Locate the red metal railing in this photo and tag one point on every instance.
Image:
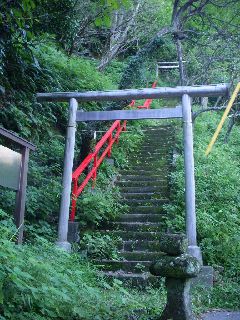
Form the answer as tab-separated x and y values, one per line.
148	102
109	138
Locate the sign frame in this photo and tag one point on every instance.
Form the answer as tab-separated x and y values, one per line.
25	147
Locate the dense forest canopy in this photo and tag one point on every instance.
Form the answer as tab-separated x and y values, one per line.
205	34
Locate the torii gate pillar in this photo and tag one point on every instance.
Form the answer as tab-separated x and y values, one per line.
191	227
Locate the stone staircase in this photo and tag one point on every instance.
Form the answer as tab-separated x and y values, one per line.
145	189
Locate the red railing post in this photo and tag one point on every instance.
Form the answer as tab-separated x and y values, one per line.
109	142
74	200
125	125
118	132
95	170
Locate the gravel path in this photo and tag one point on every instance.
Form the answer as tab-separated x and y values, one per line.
221	315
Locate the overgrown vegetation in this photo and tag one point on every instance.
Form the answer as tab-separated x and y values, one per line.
42	282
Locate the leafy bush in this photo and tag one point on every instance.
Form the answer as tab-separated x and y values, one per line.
100	246
98	206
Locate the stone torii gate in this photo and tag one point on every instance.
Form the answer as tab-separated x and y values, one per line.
184	112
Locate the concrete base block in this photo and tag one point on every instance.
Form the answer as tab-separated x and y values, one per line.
205	278
64	245
73	231
195	251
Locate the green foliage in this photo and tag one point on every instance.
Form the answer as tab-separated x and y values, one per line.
8	229
141	68
104	20
73	73
129	143
100	246
41	229
115	70
45	123
224	295
98	206
43	282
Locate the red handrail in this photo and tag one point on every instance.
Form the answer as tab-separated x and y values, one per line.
148	102
110	137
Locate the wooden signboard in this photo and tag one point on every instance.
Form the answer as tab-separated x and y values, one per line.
13	174
10	166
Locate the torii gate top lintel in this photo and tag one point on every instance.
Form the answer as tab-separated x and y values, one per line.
148	93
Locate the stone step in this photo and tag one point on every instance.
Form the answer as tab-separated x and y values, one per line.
167	131
143	195
142	184
134	280
163	135
143	189
151	202
141	178
159	149
159	152
144	217
152	154
158	138
141	255
153	167
134	235
133	245
136	226
157	141
149	158
145	172
141	209
152	129
128	266
146	163
164	165
164	132
157	144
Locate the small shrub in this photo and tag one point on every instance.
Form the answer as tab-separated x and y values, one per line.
100	246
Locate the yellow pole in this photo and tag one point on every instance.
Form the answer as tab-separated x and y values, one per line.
225	114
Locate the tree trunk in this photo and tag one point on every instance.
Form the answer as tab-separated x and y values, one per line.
119	36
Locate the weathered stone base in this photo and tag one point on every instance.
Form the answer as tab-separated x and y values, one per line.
204	278
178	300
73	230
64	245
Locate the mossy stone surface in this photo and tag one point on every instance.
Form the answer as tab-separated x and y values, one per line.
173	244
178	305
181	267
